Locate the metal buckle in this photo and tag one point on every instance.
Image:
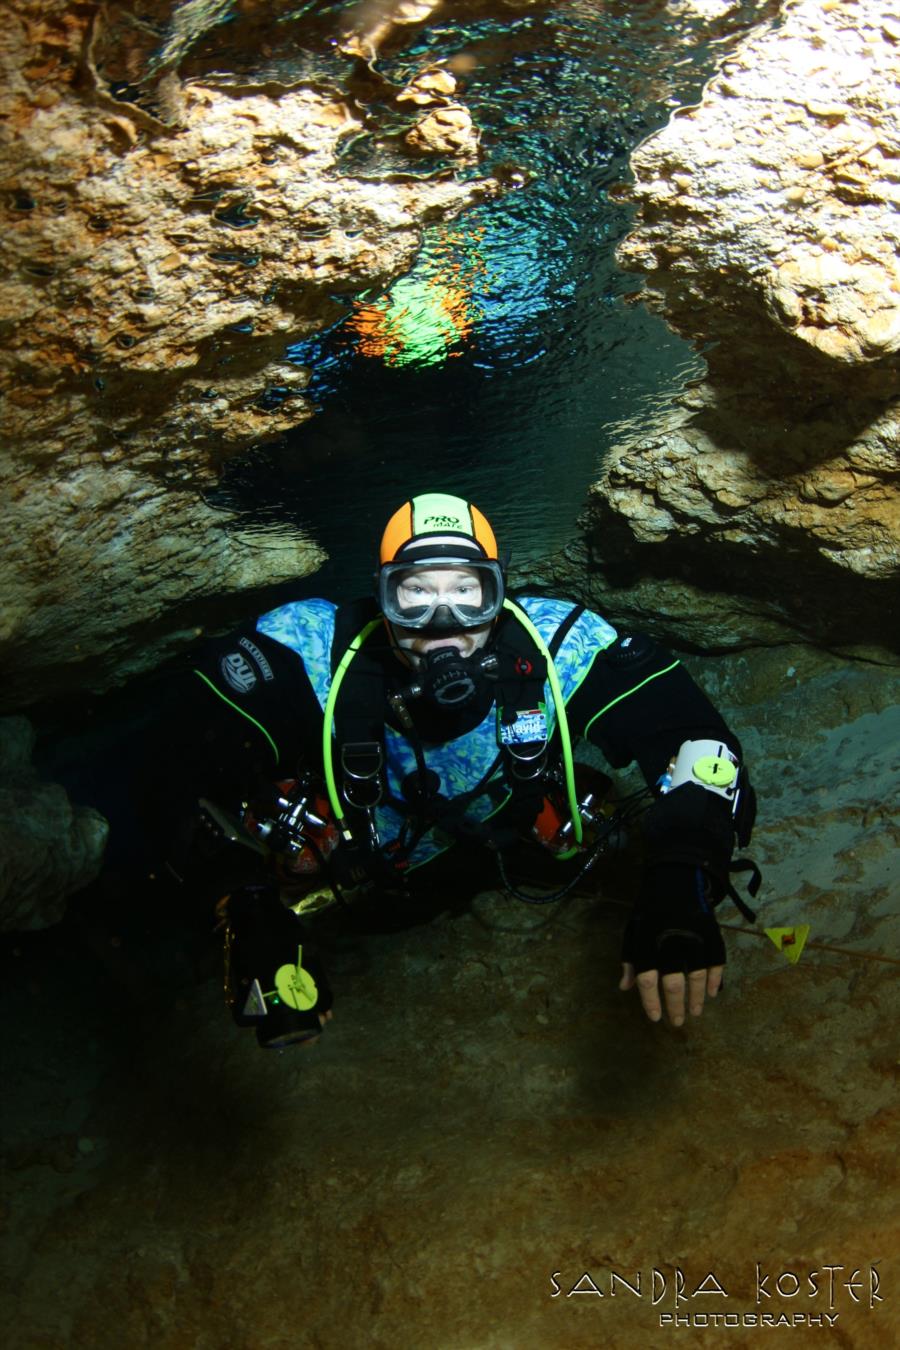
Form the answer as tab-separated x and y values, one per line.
362	762
527	762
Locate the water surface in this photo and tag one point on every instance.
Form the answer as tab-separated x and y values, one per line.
508	361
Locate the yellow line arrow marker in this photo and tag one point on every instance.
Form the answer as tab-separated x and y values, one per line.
790	941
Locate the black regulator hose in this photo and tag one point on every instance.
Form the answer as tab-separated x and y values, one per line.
628	809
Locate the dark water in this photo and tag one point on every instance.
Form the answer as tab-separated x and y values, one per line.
508	361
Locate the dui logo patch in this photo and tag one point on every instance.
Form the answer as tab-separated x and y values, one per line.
238	672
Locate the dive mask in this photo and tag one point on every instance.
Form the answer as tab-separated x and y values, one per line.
441	597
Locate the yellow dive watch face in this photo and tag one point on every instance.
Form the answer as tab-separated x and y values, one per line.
714	771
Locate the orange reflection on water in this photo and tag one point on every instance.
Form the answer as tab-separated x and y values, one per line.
427	314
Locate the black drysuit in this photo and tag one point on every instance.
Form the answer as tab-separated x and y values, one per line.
637	702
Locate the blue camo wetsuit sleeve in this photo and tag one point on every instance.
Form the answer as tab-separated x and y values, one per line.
307	628
589	635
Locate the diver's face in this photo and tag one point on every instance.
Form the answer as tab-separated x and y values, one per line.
437	586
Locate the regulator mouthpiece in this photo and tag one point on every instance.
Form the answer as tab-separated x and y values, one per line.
450	678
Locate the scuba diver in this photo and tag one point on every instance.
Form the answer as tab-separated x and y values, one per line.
441	713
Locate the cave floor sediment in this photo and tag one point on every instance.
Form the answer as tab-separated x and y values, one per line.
488	1122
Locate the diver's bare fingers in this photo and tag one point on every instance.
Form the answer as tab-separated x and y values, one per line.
673	991
648	988
627	980
714	980
696	991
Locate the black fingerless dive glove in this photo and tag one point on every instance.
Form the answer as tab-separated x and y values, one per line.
673	927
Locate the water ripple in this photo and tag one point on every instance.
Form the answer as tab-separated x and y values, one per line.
505	363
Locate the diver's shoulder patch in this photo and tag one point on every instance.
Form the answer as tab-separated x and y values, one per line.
237	672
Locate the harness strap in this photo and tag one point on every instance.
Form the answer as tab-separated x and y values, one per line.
562	722
523	727
565	628
362	748
753	885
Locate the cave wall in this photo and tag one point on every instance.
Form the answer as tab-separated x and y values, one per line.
48	846
167	232
763	504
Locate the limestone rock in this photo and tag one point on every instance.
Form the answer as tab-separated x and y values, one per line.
768	232
446	130
158	264
374	23
48	847
432	85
